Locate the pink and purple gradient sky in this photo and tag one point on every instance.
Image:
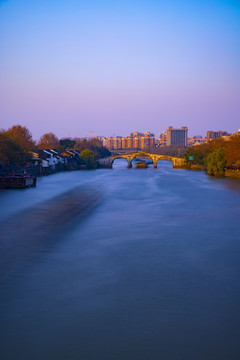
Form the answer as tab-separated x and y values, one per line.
111	67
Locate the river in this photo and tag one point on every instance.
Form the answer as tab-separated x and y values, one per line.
152	272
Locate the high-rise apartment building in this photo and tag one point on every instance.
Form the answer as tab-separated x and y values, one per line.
117	142
110	142
177	136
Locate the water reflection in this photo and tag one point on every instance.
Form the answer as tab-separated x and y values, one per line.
43	224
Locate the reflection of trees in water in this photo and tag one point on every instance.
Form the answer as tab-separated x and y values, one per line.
232	184
43	224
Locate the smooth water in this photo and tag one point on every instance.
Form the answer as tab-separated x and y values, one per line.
153	272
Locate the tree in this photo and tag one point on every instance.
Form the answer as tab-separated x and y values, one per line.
215	162
21	136
89	158
197	156
95	145
48	141
67	143
232	152
81	144
10	151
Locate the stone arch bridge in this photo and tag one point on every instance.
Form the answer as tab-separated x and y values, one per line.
107	162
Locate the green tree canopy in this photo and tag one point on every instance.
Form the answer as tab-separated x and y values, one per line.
215	162
89	158
196	154
67	144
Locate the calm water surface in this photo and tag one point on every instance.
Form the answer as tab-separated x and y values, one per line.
153	272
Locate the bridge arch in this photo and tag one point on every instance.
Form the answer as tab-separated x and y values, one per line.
141	155
129	163
165	159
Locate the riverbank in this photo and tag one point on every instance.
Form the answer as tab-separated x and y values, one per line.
231	174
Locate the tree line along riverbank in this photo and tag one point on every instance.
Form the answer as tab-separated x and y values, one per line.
18	152
219	157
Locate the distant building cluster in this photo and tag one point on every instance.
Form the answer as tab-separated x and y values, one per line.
135	140
216	134
138	140
196	140
171	137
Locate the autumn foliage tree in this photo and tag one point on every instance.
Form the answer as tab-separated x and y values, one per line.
48	141
217	154
10	151
22	137
232	152
16	145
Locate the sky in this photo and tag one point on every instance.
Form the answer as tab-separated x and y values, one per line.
85	67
